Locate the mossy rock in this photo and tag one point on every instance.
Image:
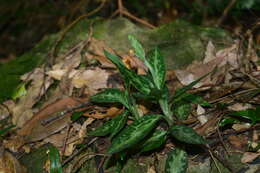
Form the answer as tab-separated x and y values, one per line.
179	41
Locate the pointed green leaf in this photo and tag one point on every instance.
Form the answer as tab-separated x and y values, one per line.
157	68
138	48
113	126
177	161
76	115
251	114
196	100
134	133
141	83
157	139
114	59
19	91
186	134
5	130
228	120
119	123
111	95
54	156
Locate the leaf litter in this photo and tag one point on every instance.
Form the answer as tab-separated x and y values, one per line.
76	75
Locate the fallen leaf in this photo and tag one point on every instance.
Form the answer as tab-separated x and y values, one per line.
23	111
239	127
14	143
201	115
240	106
95	51
249	157
91	79
100	114
34	130
228	56
134	63
238	142
9	164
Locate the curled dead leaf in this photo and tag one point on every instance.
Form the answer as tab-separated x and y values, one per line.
9	164
100	114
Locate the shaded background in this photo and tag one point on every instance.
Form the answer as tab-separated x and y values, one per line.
24	22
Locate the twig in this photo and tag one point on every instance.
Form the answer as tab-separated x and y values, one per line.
122	11
214	160
79	151
66	139
225	12
223	162
61	114
54	49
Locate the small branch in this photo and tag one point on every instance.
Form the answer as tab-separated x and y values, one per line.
79	151
225	12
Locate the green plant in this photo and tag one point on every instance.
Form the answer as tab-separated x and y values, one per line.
145	133
234	117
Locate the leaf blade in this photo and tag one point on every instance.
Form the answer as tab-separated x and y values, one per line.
112	126
135	132
156	65
186	134
157	139
138	48
54	156
141	83
111	95
177	161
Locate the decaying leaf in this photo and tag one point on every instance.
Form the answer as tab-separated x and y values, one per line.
96	48
238	142
34	130
91	79
9	164
100	114
227	56
23	111
249	157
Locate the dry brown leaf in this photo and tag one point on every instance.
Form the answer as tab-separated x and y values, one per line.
22	111
238	142
14	143
33	130
227	56
249	157
95	51
9	164
132	62
239	127
100	114
91	79
151	169
208	127
201	115
240	106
